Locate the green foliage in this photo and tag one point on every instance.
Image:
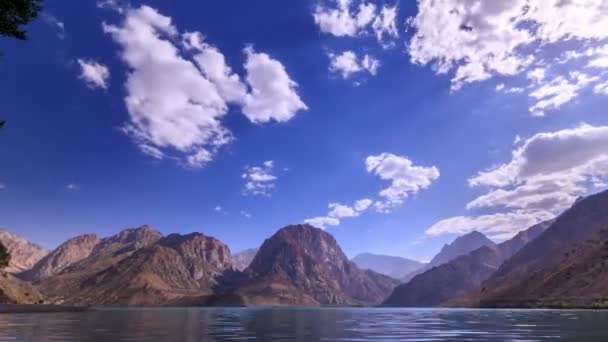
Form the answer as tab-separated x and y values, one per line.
5	256
16	13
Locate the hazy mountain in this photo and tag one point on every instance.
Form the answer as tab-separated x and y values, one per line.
460	275
303	265
392	266
462	245
241	260
564	267
24	254
67	254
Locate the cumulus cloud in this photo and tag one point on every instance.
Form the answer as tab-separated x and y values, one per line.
94	74
339	211
259	179
481	39
385	26
348	63
535	184
273	95
559	91
179	88
405	178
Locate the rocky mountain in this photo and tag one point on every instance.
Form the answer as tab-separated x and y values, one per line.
108	252
24	254
67	254
462	245
392	266
241	260
303	265
564	267
459	276
175	269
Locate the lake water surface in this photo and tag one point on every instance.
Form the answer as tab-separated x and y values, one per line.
306	324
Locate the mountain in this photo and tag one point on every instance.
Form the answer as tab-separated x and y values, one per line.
67	254
175	269
108	252
461	275
392	266
16	291
564	267
462	245
241	260
303	265
24	254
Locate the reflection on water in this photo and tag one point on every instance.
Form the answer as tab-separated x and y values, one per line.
306	324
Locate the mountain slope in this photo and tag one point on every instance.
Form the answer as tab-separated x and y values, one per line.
242	259
15	291
67	254
565	267
392	266
24	254
303	265
461	275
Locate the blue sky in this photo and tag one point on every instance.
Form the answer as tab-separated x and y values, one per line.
493	120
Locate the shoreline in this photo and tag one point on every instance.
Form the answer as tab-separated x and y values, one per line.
40	308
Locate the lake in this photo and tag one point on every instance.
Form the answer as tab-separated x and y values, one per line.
306	324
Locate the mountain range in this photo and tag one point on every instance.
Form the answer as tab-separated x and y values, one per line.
557	263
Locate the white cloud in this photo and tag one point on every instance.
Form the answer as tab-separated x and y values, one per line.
2	186
405	178
218	209
348	63
535	185
259	179
245	214
94	74
500	226
55	24
341	20
480	39
385	25
338	210
180	116
601	88
363	204
273	94
559	91
323	222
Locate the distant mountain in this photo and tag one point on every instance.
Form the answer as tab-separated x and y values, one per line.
107	253
462	245
303	265
67	254
24	254
241	260
564	267
392	266
457	277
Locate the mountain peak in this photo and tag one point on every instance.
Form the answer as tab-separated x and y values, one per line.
462	245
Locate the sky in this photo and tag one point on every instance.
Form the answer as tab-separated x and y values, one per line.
394	125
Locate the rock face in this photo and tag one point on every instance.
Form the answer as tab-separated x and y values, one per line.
241	260
67	254
392	266
24	254
463	245
456	278
176	269
564	267
303	265
108	252
15	291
